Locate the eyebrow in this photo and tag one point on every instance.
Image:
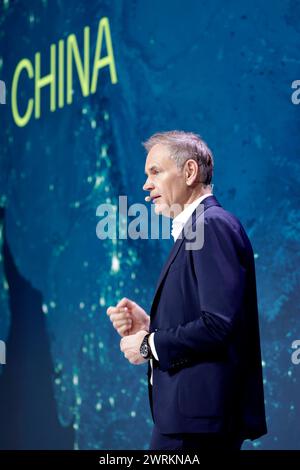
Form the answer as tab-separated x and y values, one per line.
153	167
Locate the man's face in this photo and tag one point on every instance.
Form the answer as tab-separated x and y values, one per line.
165	180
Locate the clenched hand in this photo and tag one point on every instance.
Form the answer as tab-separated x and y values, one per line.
128	318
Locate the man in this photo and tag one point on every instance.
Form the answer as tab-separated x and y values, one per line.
202	336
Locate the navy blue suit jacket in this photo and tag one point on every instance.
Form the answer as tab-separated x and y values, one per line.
204	314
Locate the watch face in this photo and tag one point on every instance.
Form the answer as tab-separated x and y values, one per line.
144	349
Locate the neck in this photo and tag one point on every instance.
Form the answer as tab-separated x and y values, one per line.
198	193
195	194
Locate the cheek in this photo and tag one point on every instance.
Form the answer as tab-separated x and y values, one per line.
168	187
174	187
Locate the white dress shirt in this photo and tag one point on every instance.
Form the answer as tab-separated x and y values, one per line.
177	225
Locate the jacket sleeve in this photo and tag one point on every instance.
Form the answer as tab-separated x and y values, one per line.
220	283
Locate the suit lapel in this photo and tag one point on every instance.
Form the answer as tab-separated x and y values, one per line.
206	203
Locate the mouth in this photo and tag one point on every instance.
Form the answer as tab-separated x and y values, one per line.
154	198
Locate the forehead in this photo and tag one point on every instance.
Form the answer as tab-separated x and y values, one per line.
159	156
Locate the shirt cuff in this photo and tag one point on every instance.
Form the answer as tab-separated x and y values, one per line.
152	346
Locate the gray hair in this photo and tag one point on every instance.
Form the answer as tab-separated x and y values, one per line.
184	146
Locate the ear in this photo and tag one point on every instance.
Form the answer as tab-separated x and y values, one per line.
191	171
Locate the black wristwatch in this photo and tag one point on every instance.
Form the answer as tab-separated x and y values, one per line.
145	349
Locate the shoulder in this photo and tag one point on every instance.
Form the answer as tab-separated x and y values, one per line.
218	216
222	223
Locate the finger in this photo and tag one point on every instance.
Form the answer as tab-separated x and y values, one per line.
112	310
108	310
122	344
125	302
123	329
117	317
122	302
118	323
134	360
117	311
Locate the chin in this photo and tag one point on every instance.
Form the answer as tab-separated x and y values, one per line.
157	209
162	209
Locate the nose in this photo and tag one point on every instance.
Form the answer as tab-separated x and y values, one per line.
148	186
